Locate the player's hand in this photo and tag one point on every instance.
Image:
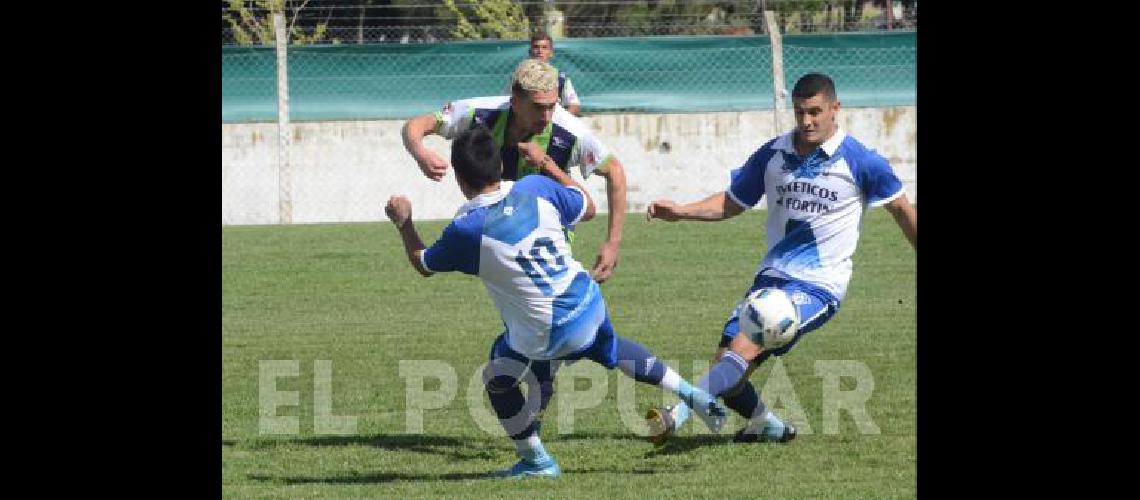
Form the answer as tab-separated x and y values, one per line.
533	153
431	164
399	209
664	210
606	263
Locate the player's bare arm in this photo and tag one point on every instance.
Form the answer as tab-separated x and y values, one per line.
716	207
575	109
399	210
431	164
537	157
614	173
906	217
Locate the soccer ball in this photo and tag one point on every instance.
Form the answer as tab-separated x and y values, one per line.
769	317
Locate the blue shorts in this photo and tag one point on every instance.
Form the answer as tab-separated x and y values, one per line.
602	351
815	306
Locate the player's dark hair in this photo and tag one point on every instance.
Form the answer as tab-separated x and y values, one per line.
813	84
475	158
541	35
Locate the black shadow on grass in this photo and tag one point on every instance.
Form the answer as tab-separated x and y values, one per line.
681	444
382	477
676	444
639	470
580	436
461	449
386	477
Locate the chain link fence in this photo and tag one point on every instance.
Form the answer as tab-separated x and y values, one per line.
341	155
865	77
645	75
426	21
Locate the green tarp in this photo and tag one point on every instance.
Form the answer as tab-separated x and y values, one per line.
653	74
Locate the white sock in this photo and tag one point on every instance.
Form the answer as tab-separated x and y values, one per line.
672	381
530	448
759	420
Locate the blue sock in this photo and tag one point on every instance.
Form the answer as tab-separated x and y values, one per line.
544	373
744	400
685	391
508	404
724	375
545	392
637	362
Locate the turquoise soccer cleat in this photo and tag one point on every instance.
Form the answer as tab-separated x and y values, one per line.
547	467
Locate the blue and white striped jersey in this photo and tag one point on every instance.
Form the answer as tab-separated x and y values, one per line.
815	204
513	240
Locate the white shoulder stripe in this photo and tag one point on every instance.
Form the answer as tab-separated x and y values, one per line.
884	201
585	203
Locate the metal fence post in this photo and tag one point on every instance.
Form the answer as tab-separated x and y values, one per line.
778	91
284	138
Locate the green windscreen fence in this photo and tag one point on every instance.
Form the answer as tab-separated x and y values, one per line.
652	75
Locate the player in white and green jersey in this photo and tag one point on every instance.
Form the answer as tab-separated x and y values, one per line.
529	114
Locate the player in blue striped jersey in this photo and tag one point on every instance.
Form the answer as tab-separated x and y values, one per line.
531	115
819	182
510	235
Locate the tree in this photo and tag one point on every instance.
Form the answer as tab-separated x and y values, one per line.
853	13
798	15
251	22
503	19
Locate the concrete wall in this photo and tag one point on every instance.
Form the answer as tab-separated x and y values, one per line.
345	171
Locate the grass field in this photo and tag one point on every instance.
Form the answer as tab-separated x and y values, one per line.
345	293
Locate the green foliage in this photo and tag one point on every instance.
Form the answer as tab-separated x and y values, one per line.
502	19
668	17
251	22
638	17
799	15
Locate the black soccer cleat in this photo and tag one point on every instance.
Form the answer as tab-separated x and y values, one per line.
743	436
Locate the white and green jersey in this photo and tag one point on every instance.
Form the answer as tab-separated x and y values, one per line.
566	93
566	138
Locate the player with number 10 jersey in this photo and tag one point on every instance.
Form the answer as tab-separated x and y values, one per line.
510	234
513	240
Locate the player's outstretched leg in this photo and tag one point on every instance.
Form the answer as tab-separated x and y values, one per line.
726	374
638	363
